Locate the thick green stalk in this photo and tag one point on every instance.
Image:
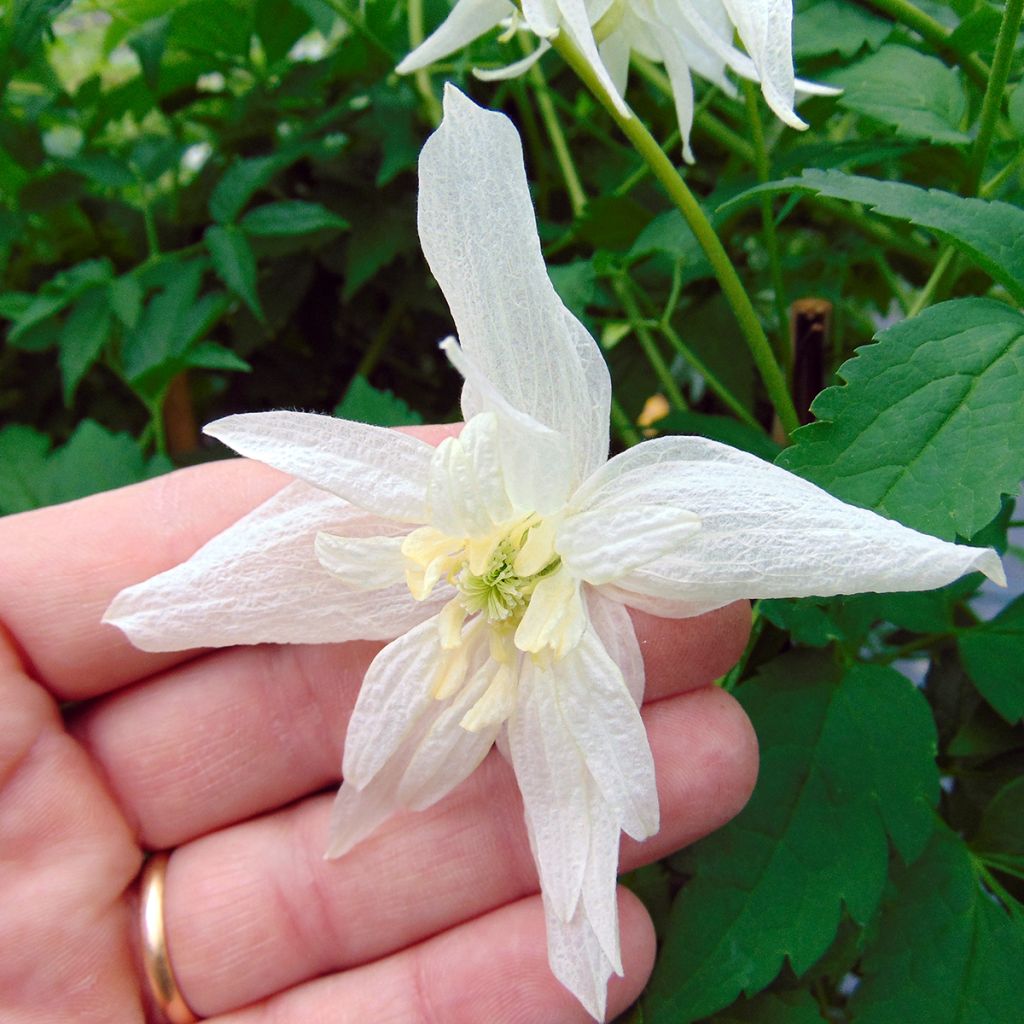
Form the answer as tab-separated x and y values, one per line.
422	76
935	33
771	239
682	197
994	91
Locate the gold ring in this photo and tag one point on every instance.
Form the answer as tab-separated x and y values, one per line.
156	960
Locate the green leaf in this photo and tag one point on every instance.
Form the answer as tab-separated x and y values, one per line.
1002	823
240	182
720	428
94	459
1016	109
364	403
836	27
993	654
987	231
291	217
796	1007
58	293
235	264
611	222
378	237
916	94
149	43
208	355
85	331
126	299
576	284
819	621
927	428
845	760
946	953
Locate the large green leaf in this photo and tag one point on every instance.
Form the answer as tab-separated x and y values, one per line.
82	338
927	428
291	217
846	760
916	94
946	953
993	654
833	26
364	403
988	231
1002	823
235	264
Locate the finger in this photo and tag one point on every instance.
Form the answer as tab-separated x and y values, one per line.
240	732
65	859
255	908
63	565
491	969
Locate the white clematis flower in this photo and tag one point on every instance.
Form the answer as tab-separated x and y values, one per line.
504	559
684	35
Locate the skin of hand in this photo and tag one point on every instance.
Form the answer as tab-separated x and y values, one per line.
231	757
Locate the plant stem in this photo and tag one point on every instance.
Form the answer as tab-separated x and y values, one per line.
771	239
422	76
926	295
577	197
732	287
624	425
994	91
623	289
935	33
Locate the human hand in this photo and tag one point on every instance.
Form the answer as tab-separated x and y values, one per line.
230	758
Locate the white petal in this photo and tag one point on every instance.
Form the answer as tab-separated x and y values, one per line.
603	543
614	628
541	16
554	618
380	470
357	813
767	533
479	235
665	607
816	89
577	959
605	722
600	900
515	69
536	461
468	20
467	493
553	781
576	21
682	91
394	695
615	55
260	582
766	29
363	563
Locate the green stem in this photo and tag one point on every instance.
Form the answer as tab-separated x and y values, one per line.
926	296
935	33
354	19
623	289
624	425
771	239
997	180
680	194
577	197
422	76
994	91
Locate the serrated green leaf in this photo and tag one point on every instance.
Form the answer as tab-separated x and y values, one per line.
927	428
988	231
819	621
993	654
796	1007
364	403
916	94
94	459
1002	823
85	331
836	27
945	953
240	182
126	299
291	217
845	760
235	264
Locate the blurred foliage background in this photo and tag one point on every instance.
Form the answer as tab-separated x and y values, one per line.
208	206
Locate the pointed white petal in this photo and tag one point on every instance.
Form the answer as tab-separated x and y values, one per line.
600	900
682	91
515	69
479	235
615	55
536	461
767	533
260	582
614	628
358	813
577	959
467	493
553	781
377	469
605	722
396	691
816	89
468	20
600	544
362	563
541	16
576	21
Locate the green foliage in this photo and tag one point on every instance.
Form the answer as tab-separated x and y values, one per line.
903	435
366	404
991	654
848	759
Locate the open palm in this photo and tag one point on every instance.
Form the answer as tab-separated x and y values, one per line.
230	758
